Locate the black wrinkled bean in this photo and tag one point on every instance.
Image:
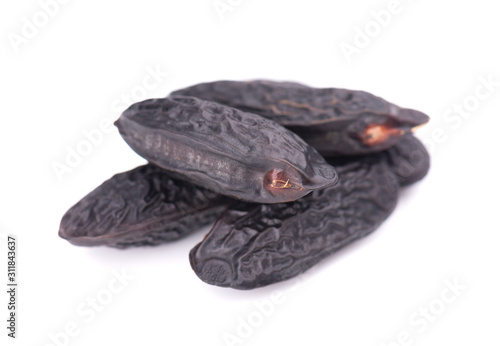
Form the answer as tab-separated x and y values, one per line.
140	207
254	245
336	122
235	153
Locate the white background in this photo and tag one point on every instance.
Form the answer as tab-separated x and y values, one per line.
76	67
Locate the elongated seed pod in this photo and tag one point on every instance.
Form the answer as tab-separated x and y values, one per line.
234	153
254	245
140	207
335	122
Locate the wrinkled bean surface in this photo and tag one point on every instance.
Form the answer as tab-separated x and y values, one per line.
235	153
335	121
254	245
144	206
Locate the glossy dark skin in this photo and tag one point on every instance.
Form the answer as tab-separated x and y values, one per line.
254	245
336	122
144	206
234	153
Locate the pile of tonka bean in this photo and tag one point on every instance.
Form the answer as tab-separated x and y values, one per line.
286	174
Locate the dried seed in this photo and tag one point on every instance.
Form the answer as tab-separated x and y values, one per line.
140	207
234	153
335	122
254	245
